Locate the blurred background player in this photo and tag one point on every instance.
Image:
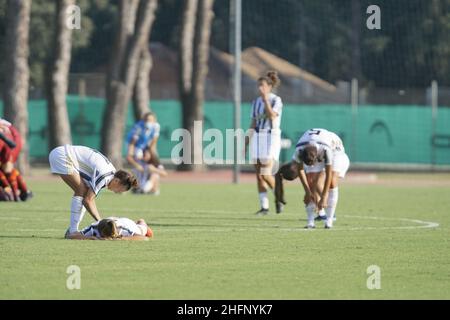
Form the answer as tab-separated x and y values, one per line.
149	179
142	154
11	180
86	171
114	228
320	150
265	136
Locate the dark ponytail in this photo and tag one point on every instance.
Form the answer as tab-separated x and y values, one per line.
126	179
271	78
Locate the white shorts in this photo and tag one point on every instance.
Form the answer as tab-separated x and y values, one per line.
340	164
265	146
61	160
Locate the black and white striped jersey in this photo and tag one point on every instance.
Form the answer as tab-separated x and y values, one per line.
259	115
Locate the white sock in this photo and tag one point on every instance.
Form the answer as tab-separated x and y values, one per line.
76	213
310	208
147	186
333	196
322	213
264	200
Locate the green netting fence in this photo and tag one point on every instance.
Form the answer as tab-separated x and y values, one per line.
375	134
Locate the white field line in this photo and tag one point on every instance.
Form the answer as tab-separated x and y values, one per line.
420	224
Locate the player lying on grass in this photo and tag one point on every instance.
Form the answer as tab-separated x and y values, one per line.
113	228
143	155
86	171
12	184
317	151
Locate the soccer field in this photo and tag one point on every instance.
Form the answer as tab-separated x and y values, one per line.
208	244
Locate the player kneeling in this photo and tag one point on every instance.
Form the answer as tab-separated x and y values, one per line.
320	150
113	228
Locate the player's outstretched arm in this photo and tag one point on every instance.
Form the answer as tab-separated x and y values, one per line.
309	196
159	170
89	204
130	156
80	236
326	187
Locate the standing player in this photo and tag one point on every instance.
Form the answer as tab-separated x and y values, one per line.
265	135
87	171
143	155
320	150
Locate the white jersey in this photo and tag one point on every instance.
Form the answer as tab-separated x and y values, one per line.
125	227
94	168
259	115
326	142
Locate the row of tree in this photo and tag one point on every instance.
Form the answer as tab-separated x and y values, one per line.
127	75
328	38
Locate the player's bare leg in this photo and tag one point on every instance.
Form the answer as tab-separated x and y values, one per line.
266	173
266	176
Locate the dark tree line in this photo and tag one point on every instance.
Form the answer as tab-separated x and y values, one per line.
127	76
411	49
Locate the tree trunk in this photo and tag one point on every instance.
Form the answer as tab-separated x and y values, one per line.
125	30
205	16
141	94
186	50
193	58
57	79
122	77
16	67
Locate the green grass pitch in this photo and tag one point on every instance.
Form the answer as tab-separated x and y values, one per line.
208	244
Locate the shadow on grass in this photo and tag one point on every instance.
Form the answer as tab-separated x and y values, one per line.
29	237
202	225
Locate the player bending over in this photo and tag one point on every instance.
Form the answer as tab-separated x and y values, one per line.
289	172
320	150
113	228
86	171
